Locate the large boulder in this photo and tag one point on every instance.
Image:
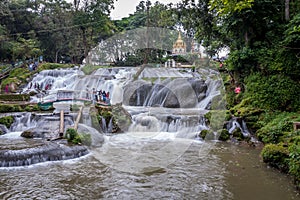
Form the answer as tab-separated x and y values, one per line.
198	85
184	92
135	93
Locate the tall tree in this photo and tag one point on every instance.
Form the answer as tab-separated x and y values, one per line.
92	19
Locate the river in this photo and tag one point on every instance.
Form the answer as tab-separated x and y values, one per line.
226	172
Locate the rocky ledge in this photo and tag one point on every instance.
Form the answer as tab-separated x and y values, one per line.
39	151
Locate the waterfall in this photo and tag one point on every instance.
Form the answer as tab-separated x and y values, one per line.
110	126
23	122
70	83
164	104
156	96
107	127
212	91
179	124
104	127
235	123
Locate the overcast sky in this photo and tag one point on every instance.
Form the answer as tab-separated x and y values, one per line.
125	7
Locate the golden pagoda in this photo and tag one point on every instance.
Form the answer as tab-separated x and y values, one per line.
179	47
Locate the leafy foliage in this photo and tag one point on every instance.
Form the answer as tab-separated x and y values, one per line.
275	130
294	161
59	30
75	138
274	92
7	121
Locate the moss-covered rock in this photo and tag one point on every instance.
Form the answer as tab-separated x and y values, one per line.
237	134
207	135
85	139
45	66
88	69
223	135
215	119
276	155
122	119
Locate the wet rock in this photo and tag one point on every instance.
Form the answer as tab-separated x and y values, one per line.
171	102
3	129
136	93
27	134
201	96
199	86
184	92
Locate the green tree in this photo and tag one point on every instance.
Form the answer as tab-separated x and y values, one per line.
93	23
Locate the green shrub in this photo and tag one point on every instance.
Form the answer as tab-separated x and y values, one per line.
7	121
276	155
5	108
32	108
75	138
275	125
20	73
71	134
15	97
294	160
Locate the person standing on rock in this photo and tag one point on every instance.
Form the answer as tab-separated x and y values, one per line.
6	88
94	95
87	94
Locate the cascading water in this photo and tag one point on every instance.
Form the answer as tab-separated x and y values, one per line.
158	157
163	103
240	124
165	107
23	121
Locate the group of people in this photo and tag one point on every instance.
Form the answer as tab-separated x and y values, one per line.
99	96
38	86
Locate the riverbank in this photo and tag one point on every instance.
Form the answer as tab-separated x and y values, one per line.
267	120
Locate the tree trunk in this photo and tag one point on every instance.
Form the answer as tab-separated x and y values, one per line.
56	56
287	10
85	44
